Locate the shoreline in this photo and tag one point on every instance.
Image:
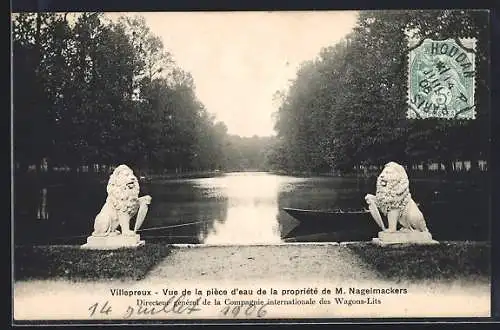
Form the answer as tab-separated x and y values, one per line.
207	245
414	176
419	175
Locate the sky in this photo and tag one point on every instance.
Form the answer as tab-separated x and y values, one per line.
239	60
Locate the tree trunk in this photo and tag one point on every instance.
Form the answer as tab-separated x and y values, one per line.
474	165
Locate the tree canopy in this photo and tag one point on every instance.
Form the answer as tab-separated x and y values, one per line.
347	107
91	91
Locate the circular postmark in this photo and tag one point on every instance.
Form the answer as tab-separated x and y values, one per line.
441	80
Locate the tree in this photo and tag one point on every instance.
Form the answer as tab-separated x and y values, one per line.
89	91
348	106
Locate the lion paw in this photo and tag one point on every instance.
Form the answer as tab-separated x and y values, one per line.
370	199
146	199
128	233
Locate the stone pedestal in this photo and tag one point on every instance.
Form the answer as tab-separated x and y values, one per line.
113	242
404	237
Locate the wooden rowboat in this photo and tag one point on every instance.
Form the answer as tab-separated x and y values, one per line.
347	222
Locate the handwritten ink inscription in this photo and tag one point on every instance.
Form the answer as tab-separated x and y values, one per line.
245	311
100	309
175	304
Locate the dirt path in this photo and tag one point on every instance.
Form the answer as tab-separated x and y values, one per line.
294	267
277	262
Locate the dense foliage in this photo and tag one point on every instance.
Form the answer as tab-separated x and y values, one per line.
347	107
93	91
247	153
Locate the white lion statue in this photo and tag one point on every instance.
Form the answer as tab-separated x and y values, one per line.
122	204
393	198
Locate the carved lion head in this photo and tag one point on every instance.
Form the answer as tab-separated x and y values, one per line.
393	187
123	190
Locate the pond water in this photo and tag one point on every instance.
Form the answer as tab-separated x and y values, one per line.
240	208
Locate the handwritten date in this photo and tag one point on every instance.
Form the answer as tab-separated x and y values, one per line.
245	311
175	304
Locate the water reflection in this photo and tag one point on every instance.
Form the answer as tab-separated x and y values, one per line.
182	211
321	193
238	208
252	210
42	213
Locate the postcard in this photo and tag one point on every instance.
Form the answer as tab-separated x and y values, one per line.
250	166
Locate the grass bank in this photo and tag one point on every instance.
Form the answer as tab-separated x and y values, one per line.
182	175
447	261
73	263
413	174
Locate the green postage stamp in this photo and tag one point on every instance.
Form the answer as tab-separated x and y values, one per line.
441	79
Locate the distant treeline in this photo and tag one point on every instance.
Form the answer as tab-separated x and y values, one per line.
346	109
247	153
91	93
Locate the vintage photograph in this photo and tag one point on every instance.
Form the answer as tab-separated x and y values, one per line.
253	166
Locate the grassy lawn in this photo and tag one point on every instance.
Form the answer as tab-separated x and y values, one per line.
446	262
73	263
